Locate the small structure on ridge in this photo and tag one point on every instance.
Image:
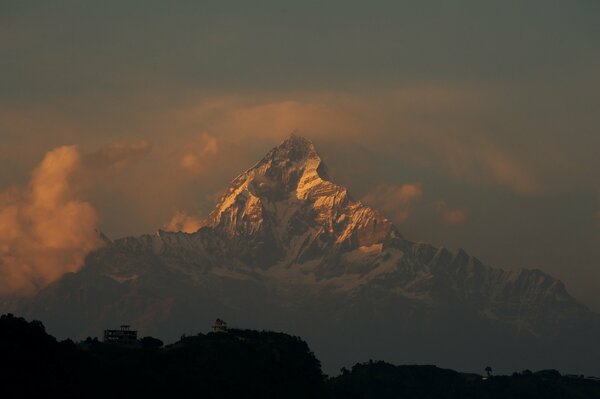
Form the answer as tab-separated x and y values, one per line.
219	326
123	336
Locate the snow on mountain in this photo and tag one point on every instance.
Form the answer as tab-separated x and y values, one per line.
286	243
284	222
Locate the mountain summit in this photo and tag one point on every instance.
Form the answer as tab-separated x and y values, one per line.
286	248
286	207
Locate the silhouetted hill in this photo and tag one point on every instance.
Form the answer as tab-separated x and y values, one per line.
34	363
236	364
382	381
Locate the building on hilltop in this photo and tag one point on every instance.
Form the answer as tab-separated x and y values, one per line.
219	326
123	336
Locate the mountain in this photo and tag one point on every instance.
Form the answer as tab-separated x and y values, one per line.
286	248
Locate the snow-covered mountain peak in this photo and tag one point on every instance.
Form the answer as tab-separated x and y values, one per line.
293	148
288	201
291	171
292	168
287	245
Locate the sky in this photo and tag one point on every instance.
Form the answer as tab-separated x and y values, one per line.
470	124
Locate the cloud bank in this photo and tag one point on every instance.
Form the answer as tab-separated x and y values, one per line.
198	155
451	217
45	230
395	201
181	221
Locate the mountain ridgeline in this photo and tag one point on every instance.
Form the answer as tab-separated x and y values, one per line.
287	249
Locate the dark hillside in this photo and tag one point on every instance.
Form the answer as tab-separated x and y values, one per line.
238	364
382	381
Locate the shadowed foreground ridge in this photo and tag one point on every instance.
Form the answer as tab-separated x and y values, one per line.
236	364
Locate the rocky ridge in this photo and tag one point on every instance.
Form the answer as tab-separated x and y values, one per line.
283	220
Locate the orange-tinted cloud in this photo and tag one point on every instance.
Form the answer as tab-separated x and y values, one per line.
451	217
239	117
45	230
285	116
116	156
472	159
198	155
503	169
181	221
395	201
425	126
204	141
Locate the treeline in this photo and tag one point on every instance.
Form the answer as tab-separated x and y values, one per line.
236	364
383	380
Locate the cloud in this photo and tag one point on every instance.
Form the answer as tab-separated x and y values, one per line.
199	155
282	117
116	156
395	201
181	221
451	217
201	141
483	162
273	118
45	230
443	127
509	172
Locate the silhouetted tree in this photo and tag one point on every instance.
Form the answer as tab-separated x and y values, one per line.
238	363
151	343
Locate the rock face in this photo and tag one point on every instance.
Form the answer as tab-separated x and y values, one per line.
286	248
285	210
